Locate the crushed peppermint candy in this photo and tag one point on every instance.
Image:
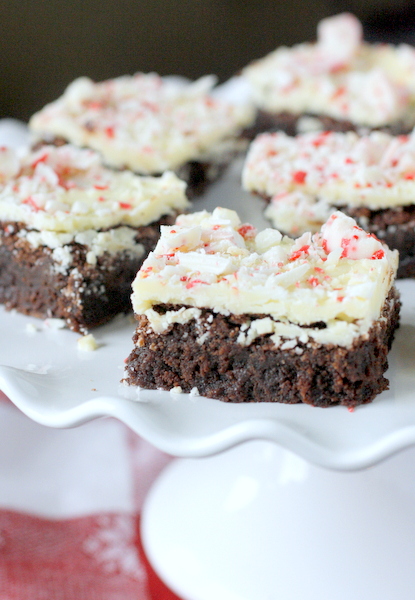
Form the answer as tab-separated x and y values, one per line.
67	189
339	233
340	76
309	176
144	122
339	276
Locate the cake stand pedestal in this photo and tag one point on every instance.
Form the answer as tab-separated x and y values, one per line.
257	522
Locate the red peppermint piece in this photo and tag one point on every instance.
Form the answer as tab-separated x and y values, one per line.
299	176
29	201
378	254
339	92
193	283
313	281
319	140
299	252
247	230
41	159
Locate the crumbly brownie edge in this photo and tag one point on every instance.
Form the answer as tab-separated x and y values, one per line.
83	295
221	368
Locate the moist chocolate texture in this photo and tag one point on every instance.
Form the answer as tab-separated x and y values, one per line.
199	175
206	355
83	295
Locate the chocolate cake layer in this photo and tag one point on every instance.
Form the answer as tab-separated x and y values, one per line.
82	294
206	355
199	175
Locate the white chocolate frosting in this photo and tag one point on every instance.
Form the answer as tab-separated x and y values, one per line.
340	276
296	213
339	76
144	122
309	175
67	190
114	241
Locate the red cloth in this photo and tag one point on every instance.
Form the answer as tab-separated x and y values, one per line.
67	555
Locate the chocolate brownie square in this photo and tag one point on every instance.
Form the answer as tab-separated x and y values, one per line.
73	233
247	316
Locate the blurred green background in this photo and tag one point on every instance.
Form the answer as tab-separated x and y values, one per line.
45	45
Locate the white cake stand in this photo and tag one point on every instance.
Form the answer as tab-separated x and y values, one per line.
259	523
272	502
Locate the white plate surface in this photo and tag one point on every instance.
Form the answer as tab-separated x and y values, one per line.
72	386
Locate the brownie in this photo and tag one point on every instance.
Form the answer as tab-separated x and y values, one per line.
316	341
340	82
149	124
73	234
370	177
83	295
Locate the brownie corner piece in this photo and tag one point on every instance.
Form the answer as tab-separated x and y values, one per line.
70	282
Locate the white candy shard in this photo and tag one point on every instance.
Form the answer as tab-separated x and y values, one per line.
87	343
339	37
